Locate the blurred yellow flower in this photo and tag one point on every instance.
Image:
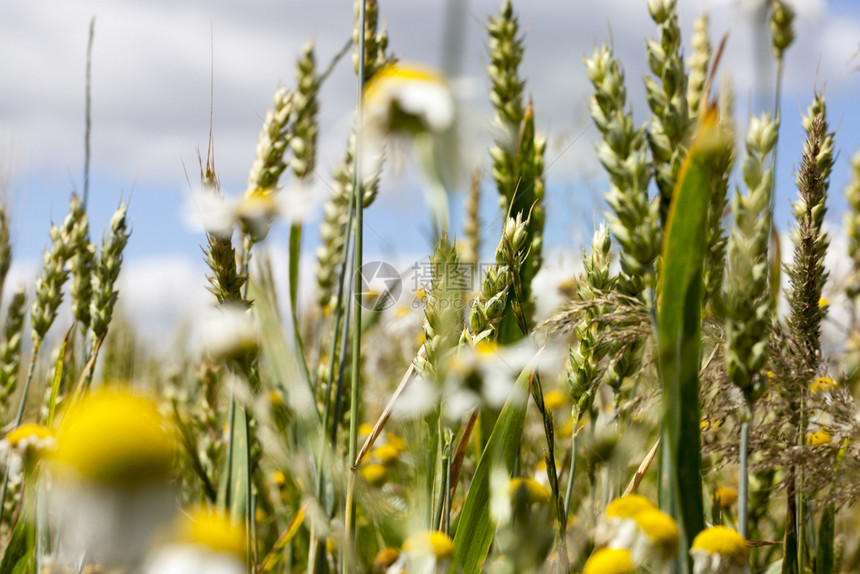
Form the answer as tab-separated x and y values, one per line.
818	438
28	431
555	400
530	490
720	550
375	474
117	438
725	496
609	561
822	384
387	453
429	543
213	530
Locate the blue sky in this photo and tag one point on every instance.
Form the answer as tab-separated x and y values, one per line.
151	77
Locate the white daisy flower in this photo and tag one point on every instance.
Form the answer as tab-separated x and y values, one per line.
214	213
411	104
23	446
720	550
206	543
112	472
633	523
228	331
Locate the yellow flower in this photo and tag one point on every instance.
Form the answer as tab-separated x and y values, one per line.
609	561
818	438
566	430
632	523
387	453
116	437
628	506
212	530
385	558
725	496
720	550
429	543
24	446
823	302
364	429
822	384
531	490
279	478
661	530
375	474
275	398
28	431
395	441
408	98
555	400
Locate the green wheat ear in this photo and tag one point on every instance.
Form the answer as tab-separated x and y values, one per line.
747	300
670	127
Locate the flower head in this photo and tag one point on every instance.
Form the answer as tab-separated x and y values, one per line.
26	444
429	543
609	561
408	99
819	438
633	523
205	542
823	384
528	490
116	437
725	496
720	550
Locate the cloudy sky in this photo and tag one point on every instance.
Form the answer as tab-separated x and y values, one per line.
153	62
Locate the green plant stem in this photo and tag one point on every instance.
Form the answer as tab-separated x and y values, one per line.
295	250
743	490
358	197
36	344
442	498
568	497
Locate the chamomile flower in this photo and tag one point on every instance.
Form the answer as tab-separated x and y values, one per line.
423	553
609	561
229	331
25	445
633	523
412	104
720	550
528	490
112	469
205	543
212	212
725	496
819	438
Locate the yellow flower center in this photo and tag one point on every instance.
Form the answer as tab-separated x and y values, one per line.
118	438
387	453
26	431
723	541
530	489
213	530
374	473
279	478
822	384
660	528
609	561
429	543
628	506
818	438
725	496
554	400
